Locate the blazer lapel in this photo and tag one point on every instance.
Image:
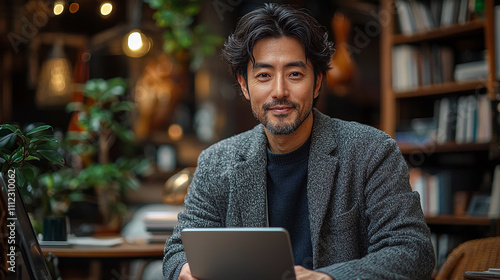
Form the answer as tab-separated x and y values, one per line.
322	170
250	188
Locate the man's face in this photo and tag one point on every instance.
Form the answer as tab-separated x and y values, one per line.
280	85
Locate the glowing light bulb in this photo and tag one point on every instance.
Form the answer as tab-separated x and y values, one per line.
135	41
136	44
106	8
58	7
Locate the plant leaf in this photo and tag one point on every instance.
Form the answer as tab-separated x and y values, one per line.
8	142
31	158
38	129
122	106
52	156
17	156
10	127
24	175
43	138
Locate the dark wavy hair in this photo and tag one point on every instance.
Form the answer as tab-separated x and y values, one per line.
276	21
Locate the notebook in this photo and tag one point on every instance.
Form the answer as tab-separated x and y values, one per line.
239	253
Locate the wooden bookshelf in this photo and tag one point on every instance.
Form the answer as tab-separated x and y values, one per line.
397	104
439	89
442	33
459	220
479	28
442	148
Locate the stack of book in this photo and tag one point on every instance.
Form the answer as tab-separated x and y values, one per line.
414	66
159	225
435	191
447	191
470	71
464	119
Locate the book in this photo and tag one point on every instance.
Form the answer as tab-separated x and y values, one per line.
492	273
435	190
471	119
443	122
461	202
95	242
437	76
405	67
485	119
470	71
461	119
494	211
405	16
426	65
463	11
452	119
433	195
417	184
421	23
435	10
447	64
445	193
448	12
160	221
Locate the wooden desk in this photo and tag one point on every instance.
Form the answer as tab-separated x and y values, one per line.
79	262
124	250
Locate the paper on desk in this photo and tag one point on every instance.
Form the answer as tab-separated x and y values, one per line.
95	242
492	273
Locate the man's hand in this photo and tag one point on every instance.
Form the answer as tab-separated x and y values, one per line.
302	273
186	273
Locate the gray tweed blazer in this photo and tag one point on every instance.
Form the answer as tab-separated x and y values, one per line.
365	221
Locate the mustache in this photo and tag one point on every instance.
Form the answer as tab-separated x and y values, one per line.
280	102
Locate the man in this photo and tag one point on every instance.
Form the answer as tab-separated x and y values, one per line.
340	188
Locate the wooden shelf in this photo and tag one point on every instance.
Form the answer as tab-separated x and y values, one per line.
125	250
407	148
442	33
459	220
445	88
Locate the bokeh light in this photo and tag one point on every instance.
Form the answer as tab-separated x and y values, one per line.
74	7
106	8
58	7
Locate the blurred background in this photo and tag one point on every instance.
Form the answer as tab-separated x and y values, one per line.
184	96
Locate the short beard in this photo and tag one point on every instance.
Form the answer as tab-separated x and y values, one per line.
281	128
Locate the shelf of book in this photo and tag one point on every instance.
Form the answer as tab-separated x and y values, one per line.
460	220
409	148
417	48
442	33
443	88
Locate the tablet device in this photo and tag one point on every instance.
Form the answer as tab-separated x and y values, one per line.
239	253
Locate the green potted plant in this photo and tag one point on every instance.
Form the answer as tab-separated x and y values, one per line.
25	153
30	152
103	117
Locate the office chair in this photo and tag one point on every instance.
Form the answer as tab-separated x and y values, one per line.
474	255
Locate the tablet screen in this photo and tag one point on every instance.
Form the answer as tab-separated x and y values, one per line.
239	253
